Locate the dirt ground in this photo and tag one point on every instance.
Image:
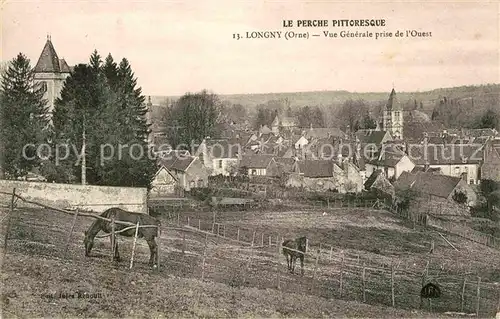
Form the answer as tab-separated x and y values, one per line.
42	276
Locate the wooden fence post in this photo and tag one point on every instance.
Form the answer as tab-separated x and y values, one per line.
178	218
11	212
73	227
478	295
238	235
204	256
278	264
341	275
183	243
270	241
314	272
393	300
331	253
262	240
462	297
133	245
188	221
364	283
158	231
113	238
199	223
253	238
218	229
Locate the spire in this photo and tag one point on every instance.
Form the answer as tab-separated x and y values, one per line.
393	103
48	62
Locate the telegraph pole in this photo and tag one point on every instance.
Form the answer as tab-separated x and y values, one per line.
84	163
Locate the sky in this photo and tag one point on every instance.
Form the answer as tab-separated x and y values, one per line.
186	46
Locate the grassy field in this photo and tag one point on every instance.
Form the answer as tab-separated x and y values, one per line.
41	278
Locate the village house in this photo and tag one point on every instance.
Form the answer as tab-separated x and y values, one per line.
324	175
165	184
284	123
373	137
220	156
455	160
490	169
379	183
324	133
301	142
187	170
392	161
436	188
259	165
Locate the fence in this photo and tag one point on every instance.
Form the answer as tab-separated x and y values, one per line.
244	256
463	231
335	273
13	203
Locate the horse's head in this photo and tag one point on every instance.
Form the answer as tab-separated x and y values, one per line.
89	243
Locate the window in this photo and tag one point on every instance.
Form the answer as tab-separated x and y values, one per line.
200	183
191	184
471	182
254	172
457	170
220	163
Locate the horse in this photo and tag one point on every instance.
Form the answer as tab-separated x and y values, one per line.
299	246
118	214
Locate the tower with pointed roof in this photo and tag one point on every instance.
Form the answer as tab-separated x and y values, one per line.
50	73
392	118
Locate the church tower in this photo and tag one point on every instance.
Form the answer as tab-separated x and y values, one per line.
50	73
393	117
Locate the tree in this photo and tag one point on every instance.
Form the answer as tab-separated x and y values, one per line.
264	116
490	119
103	101
194	116
23	118
351	113
369	122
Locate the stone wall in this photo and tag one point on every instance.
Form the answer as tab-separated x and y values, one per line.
83	197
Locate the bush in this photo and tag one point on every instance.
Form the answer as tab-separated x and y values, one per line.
202	193
460	197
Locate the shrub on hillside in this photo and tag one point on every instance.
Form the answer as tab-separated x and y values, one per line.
460	197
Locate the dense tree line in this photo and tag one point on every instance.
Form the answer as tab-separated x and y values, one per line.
23	118
102	105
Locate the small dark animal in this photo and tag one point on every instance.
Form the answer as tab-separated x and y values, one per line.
429	291
118	214
293	249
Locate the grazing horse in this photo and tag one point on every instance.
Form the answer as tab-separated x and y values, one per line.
118	214
293	249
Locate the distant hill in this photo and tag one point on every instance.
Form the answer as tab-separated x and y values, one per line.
472	100
482	92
